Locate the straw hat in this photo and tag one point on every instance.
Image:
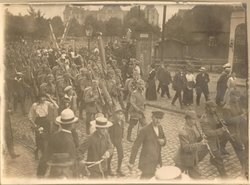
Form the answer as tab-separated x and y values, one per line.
67	117
101	122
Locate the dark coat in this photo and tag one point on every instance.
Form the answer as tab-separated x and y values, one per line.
221	87
116	132
97	146
187	154
164	76
179	81
202	80
150	155
62	142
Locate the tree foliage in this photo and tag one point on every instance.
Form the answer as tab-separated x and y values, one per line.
58	26
208	20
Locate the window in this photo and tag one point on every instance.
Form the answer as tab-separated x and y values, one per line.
211	41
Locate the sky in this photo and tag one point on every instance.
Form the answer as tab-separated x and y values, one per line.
57	10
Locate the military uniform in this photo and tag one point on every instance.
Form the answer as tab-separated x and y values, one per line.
137	102
213	131
91	98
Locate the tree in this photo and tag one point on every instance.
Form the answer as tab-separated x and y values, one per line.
75	29
135	20
57	25
113	27
97	25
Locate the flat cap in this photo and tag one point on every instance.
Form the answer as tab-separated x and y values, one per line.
158	114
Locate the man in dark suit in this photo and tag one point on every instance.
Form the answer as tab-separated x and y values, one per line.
222	85
202	80
116	135
165	79
100	148
62	142
192	148
152	138
179	83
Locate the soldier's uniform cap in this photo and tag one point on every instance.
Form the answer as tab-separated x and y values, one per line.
158	114
68	88
84	70
50	76
227	65
210	104
190	114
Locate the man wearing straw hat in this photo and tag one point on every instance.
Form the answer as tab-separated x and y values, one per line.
202	80
100	148
62	148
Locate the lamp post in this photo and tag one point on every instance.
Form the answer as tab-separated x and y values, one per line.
89	31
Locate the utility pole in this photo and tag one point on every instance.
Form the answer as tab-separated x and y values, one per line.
163	31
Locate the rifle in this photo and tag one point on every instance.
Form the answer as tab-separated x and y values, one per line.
204	137
223	123
98	88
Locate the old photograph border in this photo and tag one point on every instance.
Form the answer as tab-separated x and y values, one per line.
5	180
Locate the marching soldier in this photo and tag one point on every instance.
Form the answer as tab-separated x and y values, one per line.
192	147
70	95
136	111
213	131
92	101
49	87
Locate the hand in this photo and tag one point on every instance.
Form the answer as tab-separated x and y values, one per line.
204	142
161	141
224	128
106	155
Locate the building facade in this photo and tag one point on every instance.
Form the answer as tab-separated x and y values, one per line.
103	14
151	15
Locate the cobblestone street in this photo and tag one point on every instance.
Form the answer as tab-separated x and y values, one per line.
171	123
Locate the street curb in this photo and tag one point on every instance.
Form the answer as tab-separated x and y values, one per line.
165	108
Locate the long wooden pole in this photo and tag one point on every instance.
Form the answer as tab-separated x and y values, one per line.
163	32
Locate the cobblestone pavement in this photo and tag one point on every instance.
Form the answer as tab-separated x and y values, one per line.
171	123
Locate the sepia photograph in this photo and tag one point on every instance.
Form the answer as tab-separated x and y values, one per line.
124	92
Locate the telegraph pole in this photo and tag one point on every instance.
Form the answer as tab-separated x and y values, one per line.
163	31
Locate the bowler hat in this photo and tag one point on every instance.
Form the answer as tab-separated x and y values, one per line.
158	114
67	117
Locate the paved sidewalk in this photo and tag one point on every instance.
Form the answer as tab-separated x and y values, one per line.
23	166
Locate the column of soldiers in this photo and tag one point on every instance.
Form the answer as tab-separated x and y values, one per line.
66	84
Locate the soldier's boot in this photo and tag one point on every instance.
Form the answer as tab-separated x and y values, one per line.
129	133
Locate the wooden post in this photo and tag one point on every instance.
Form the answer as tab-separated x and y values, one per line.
163	31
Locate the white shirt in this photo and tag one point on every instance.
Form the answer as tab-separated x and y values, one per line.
190	77
156	129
